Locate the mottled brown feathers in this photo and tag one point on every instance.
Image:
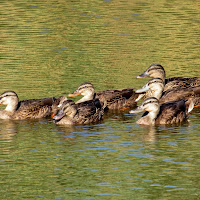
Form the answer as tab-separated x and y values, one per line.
26	109
81	113
34	108
118	99
172	112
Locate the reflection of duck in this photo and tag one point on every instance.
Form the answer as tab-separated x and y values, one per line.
115	99
81	113
8	131
157	71
167	113
27	109
155	87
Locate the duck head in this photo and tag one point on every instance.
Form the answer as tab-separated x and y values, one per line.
86	90
68	108
57	104
152	106
153	88
10	99
154	71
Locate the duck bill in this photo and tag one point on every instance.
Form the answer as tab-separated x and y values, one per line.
74	94
143	89
140	96
137	110
52	115
59	116
145	74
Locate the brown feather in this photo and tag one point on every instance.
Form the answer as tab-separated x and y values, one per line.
172	112
84	113
181	93
25	109
118	99
34	108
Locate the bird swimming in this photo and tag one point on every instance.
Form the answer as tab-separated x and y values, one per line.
115	99
168	113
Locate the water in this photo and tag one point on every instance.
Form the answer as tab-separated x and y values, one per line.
48	49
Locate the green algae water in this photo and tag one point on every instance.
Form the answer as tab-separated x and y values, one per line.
48	48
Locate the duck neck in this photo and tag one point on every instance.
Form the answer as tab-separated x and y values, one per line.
12	106
87	97
153	115
161	75
157	93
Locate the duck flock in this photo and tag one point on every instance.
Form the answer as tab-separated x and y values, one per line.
165	101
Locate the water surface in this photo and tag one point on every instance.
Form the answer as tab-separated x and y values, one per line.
48	49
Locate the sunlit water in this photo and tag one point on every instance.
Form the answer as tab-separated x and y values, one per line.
48	49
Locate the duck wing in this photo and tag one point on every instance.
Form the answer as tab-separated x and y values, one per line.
34	108
117	99
181	93
181	82
172	112
89	112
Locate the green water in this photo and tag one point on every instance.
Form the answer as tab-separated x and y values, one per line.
47	49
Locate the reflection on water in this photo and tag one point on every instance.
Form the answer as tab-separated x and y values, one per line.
48	49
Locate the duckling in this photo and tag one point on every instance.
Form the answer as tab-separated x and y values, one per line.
115	99
155	88
82	113
167	113
26	109
157	71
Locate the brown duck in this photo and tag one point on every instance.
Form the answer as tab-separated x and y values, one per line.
155	87
82	113
115	99
26	109
157	71
57	104
167	113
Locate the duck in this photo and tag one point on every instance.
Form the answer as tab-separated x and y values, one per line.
71	113
57	104
173	112
157	71
155	88
25	109
115	99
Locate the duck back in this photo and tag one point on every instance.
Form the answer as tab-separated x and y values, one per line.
181	93
181	82
172	112
89	112
34	108
117	99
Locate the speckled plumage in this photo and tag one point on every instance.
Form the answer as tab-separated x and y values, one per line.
115	99
157	71
167	113
82	113
155	87
26	109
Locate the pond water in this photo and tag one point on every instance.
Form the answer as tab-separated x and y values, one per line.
48	48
